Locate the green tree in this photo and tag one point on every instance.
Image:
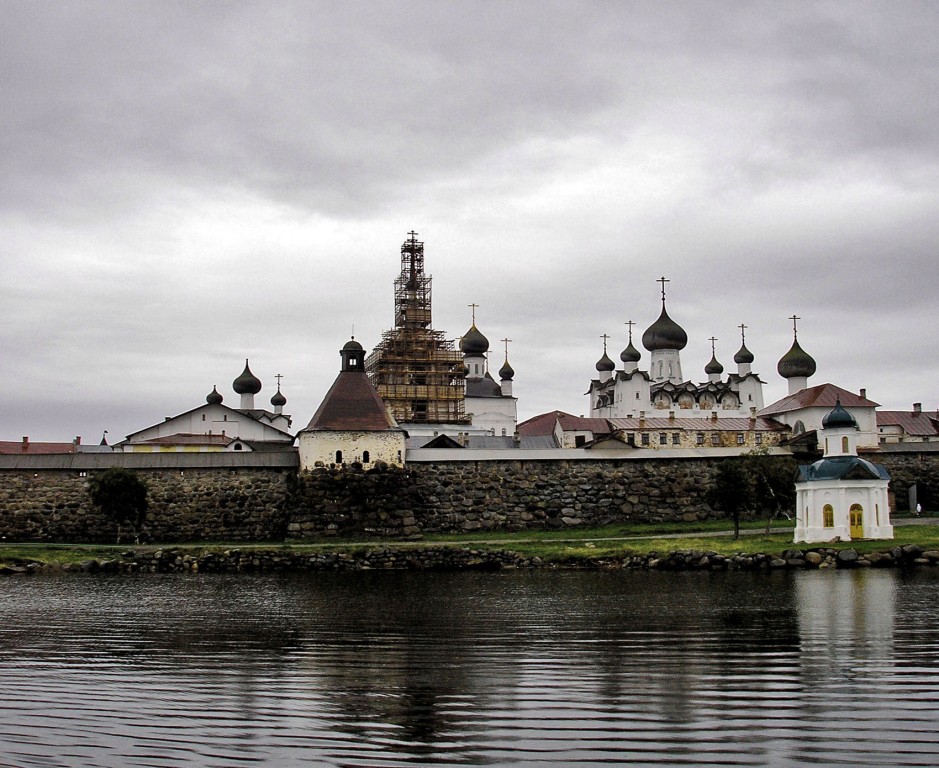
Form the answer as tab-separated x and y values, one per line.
731	490
122	496
773	484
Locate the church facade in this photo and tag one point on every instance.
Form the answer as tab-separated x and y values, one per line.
661	390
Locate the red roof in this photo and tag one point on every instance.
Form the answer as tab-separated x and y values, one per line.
821	396
352	404
540	425
582	424
25	446
183	438
911	422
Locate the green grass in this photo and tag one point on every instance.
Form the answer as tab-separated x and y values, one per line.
551	546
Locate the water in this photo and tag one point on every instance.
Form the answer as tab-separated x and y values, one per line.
515	668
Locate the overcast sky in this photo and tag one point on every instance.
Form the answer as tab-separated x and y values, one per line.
184	185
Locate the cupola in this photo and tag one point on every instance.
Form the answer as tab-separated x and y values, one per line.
247	385
796	365
214	397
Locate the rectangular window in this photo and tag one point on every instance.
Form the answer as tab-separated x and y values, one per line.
579	440
740	439
663	438
758	438
699	438
715	438
676	438
645	438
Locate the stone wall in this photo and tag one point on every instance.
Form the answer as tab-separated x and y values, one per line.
189	505
275	503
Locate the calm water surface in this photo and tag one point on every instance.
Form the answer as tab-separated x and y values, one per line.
513	668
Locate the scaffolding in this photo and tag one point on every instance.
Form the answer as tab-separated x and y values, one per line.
417	372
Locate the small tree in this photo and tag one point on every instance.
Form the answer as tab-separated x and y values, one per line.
773	483
731	491
122	496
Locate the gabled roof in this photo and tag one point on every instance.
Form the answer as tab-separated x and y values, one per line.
911	422
250	413
352	404
581	424
442	441
183	438
542	424
821	396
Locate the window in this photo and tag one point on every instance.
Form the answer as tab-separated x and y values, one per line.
844	444
699	438
339	457
637	395
645	438
203	417
758	438
828	516
676	438
663	438
715	438
365	457
740	439
579	440
238	447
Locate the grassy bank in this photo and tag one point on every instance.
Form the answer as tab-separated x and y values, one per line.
551	546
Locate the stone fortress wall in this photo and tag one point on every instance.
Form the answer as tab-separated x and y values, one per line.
226	497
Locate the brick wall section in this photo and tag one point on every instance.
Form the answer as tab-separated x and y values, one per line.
274	504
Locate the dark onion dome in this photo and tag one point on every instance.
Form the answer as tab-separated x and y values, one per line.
247	383
713	366
743	355
352	346
839	417
605	364
506	372
278	399
630	354
664	333
213	398
473	342
796	362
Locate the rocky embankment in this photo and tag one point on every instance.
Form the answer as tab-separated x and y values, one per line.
172	560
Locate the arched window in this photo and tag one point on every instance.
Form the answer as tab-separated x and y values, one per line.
238	446
339	457
828	516
365	457
844	444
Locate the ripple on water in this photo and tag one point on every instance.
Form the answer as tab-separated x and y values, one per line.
389	669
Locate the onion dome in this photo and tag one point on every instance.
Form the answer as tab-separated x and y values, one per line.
713	367
473	342
630	354
247	383
743	355
839	417
352	346
795	363
605	364
213	398
506	372
278	399
664	333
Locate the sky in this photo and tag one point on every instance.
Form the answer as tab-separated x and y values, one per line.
189	184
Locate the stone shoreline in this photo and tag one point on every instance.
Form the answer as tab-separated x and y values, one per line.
176	560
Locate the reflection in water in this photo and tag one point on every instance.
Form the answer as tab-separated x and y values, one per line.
515	668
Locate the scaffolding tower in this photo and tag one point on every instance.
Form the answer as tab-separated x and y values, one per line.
417	372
